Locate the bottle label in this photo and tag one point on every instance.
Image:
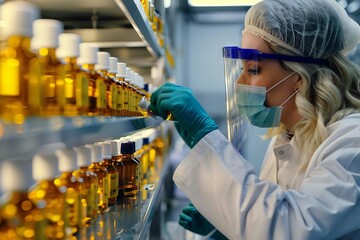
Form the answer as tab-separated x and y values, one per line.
69	86
90	200
106	188
114	182
9	77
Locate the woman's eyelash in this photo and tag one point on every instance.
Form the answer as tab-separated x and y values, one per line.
253	71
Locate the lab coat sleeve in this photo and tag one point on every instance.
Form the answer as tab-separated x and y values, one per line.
224	188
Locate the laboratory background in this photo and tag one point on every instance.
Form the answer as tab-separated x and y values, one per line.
80	157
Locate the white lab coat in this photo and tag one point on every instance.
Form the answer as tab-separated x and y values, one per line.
322	203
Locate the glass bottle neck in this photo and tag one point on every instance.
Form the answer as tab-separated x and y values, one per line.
70	60
90	67
19	41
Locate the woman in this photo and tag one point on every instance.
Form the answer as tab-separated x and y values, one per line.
309	185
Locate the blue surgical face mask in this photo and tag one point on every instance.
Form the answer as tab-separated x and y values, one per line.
250	103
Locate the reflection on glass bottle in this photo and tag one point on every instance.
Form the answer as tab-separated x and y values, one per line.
45	42
45	192
19	66
76	81
20	218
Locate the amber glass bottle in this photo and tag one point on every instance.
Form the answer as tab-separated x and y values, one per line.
102	67
45	170
45	42
73	184
20	217
88	59
113	174
89	196
114	86
102	174
19	66
121	69
76	81
131	165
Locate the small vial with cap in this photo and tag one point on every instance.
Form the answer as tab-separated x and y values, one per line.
131	165
102	67
121	87
21	218
76	80
143	107
45	192
113	174
102	174
73	185
88	59
19	66
114	85
45	42
89	196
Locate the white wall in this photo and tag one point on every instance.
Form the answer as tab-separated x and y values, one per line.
199	65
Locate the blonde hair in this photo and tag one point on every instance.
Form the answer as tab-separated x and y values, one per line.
327	94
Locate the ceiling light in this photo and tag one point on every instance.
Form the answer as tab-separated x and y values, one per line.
221	3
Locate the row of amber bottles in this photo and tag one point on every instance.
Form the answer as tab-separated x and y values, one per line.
44	72
92	177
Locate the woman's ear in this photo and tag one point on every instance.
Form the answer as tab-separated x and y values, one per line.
298	82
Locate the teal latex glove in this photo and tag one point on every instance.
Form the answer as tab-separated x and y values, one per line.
192	121
192	220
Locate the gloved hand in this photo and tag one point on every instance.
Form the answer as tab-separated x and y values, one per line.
192	220
193	123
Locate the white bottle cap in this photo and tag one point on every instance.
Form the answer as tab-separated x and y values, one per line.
114	148
143	104
96	152
106	149
88	53
128	74
15	175
67	160
46	33
68	45
83	156
121	68
45	167
103	61
17	18
113	65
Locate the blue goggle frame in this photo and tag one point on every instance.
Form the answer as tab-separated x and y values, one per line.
255	55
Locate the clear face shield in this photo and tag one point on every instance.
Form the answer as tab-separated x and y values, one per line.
241	64
235	60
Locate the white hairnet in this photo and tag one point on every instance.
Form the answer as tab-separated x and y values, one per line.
310	28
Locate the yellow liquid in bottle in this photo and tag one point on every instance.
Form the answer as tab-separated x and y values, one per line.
107	96
73	209
76	85
148	113
113	180
103	185
120	97
131	169
120	169
20	218
19	80
126	90
114	94
52	83
88	194
94	90
46	192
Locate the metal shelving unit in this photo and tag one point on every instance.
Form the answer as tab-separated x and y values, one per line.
122	29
